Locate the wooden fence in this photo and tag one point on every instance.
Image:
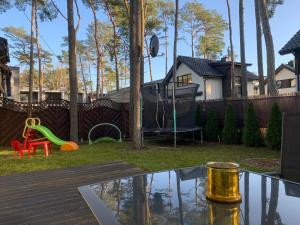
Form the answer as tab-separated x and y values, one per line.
55	116
262	106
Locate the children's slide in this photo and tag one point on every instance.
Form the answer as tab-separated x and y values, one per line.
65	145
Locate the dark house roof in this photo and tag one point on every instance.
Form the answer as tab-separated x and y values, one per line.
205	67
292	45
284	66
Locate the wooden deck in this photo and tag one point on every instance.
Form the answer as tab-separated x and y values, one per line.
51	197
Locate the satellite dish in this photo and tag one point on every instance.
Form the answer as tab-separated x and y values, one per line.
154	45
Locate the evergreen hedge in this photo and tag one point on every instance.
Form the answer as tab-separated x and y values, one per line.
273	135
212	127
230	131
251	135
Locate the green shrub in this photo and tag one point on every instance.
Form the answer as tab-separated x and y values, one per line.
251	135
230	131
273	135
212	127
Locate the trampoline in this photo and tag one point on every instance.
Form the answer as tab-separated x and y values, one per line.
158	109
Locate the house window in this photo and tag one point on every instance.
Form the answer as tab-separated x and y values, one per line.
24	96
288	83
279	84
184	80
238	87
255	90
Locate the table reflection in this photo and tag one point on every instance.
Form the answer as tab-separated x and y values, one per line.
178	197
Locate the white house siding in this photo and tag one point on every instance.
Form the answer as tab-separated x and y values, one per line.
15	83
213	86
213	89
251	86
284	74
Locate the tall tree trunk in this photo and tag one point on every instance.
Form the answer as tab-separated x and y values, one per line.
91	83
72	73
260	67
231	50
149	60
174	70
116	55
135	69
272	89
167	44
143	15
192	39
41	78
83	77
102	75
98	52
31	65
242	48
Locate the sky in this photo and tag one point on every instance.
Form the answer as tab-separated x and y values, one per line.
284	24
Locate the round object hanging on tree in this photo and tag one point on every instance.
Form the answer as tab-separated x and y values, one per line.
154	45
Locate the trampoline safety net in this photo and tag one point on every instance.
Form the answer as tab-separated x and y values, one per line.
158	107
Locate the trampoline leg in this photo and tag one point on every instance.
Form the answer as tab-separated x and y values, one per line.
193	136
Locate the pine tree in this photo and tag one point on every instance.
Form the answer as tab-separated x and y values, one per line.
251	135
230	131
273	136
212	127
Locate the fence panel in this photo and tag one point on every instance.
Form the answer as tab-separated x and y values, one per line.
55	116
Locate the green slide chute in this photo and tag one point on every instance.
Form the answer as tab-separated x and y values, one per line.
48	134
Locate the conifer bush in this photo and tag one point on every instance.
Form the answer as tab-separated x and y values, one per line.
212	127
251	135
273	135
230	130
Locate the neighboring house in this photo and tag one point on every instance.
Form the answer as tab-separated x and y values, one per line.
285	79
213	77
123	94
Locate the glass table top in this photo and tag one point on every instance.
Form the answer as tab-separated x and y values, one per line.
178	197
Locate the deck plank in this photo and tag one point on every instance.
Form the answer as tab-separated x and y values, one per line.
51	196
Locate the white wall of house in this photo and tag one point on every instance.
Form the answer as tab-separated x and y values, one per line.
284	74
214	89
15	83
213	85
253	88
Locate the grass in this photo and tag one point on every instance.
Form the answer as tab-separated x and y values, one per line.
152	158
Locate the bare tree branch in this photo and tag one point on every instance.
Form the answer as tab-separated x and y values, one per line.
58	10
127	8
78	15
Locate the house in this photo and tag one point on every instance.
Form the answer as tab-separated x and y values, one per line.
213	77
285	78
123	94
293	47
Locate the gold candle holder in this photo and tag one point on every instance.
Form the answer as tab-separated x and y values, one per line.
223	182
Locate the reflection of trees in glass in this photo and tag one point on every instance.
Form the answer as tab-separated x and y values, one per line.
273	202
179	197
140	215
246	186
263	199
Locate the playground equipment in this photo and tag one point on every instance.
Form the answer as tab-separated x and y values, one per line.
105	138
35	124
159	115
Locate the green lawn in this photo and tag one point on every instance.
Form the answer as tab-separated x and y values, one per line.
152	158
